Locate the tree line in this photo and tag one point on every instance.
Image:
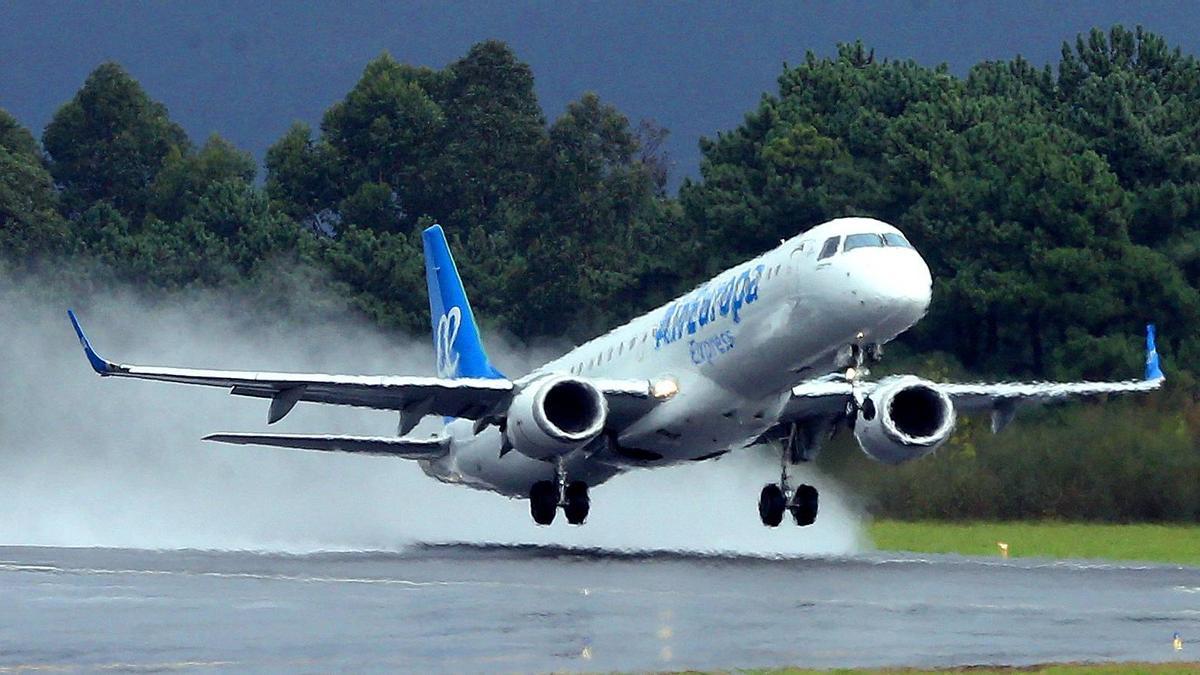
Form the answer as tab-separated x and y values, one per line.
1058	208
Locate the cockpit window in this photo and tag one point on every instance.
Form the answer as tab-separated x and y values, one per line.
829	248
896	239
862	241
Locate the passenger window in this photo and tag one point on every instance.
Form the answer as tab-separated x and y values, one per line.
610	353
896	239
830	247
864	240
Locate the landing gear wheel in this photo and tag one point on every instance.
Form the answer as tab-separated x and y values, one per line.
804	505
576	503
771	504
543	502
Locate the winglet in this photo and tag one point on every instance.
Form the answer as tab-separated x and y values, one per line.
98	363
1153	367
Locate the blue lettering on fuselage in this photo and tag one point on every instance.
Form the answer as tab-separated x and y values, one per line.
714	300
706	350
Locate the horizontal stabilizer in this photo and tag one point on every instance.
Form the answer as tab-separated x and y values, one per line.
406	448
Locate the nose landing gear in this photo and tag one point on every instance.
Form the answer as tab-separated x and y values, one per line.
546	496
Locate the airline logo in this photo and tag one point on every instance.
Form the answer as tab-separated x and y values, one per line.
447	332
709	303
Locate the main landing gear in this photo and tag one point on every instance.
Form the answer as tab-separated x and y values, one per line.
546	496
776	498
804	439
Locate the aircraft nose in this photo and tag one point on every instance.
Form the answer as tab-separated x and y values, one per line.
896	284
912	286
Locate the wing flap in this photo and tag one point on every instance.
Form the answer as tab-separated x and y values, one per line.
405	448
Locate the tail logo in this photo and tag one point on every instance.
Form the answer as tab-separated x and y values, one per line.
447	333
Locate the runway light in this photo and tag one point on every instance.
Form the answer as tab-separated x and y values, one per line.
1003	549
664	389
1178	643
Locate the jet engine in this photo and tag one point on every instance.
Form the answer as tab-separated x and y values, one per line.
905	418
554	416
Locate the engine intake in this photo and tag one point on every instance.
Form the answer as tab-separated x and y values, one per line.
554	416
904	418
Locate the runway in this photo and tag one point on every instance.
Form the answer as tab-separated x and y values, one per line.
480	608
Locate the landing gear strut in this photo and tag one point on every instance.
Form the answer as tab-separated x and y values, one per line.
776	498
546	496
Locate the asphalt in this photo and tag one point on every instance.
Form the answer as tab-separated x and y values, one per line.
462	608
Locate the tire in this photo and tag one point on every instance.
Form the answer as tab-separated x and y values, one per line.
543	502
804	505
771	505
577	503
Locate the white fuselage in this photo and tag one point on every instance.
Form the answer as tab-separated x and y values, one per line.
735	346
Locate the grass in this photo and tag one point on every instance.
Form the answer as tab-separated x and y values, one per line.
1048	669
1148	543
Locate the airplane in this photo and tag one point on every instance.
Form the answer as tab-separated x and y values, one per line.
774	350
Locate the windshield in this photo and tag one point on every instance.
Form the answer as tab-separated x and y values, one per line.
896	239
862	240
830	247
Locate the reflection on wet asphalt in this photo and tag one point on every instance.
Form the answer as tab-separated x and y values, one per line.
480	608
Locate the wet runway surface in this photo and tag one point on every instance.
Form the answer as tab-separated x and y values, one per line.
471	608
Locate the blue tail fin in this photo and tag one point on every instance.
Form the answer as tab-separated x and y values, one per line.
456	339
1153	368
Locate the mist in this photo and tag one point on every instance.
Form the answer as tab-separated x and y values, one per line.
88	461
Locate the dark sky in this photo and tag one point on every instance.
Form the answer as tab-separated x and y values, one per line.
247	70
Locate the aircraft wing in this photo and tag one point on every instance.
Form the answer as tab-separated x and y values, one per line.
414	396
828	397
406	448
983	396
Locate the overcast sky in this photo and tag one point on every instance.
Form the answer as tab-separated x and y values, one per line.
247	70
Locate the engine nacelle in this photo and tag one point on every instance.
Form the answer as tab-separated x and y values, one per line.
554	416
905	418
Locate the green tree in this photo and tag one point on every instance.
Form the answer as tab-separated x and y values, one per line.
302	178
16	139
385	132
494	132
177	189
30	226
579	259
109	143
